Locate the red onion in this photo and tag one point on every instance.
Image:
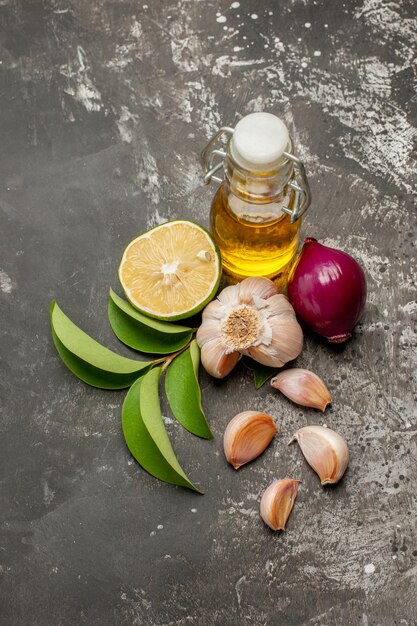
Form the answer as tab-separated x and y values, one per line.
327	289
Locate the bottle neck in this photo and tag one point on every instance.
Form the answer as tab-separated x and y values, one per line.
257	187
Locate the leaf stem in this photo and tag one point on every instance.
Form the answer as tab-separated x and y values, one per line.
166	360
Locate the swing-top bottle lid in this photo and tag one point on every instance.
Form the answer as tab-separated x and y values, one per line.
259	141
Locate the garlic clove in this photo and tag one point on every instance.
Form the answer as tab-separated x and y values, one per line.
246	436
277	502
209	331
287	336
214	310
256	287
303	387
229	296
262	354
285	345
215	360
279	305
325	451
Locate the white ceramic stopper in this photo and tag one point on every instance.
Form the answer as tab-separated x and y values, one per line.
259	141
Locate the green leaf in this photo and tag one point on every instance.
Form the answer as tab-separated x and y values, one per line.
143	333
261	373
183	392
145	433
90	361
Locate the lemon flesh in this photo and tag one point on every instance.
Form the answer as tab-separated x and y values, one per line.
171	271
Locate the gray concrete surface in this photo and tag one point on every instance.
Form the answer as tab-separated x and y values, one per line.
104	108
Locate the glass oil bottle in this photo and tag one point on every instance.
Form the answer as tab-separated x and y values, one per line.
255	216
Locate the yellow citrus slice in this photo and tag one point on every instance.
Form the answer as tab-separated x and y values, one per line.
172	271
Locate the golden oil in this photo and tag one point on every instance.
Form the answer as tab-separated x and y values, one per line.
256	212
260	241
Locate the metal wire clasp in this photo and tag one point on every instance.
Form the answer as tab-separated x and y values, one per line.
212	160
209	155
302	190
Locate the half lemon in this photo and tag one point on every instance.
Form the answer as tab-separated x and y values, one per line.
172	271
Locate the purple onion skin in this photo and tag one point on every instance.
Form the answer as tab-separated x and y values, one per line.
327	289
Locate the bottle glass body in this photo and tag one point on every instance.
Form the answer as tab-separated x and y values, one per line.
255	236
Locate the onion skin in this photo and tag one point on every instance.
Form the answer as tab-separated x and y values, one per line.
327	289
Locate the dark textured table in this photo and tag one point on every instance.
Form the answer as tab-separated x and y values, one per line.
105	107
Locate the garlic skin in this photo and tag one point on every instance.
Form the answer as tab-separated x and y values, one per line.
277	502
249	318
325	451
303	387
246	436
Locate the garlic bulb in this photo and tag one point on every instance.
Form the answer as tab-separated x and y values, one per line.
277	502
303	387
246	436
249	318
325	450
